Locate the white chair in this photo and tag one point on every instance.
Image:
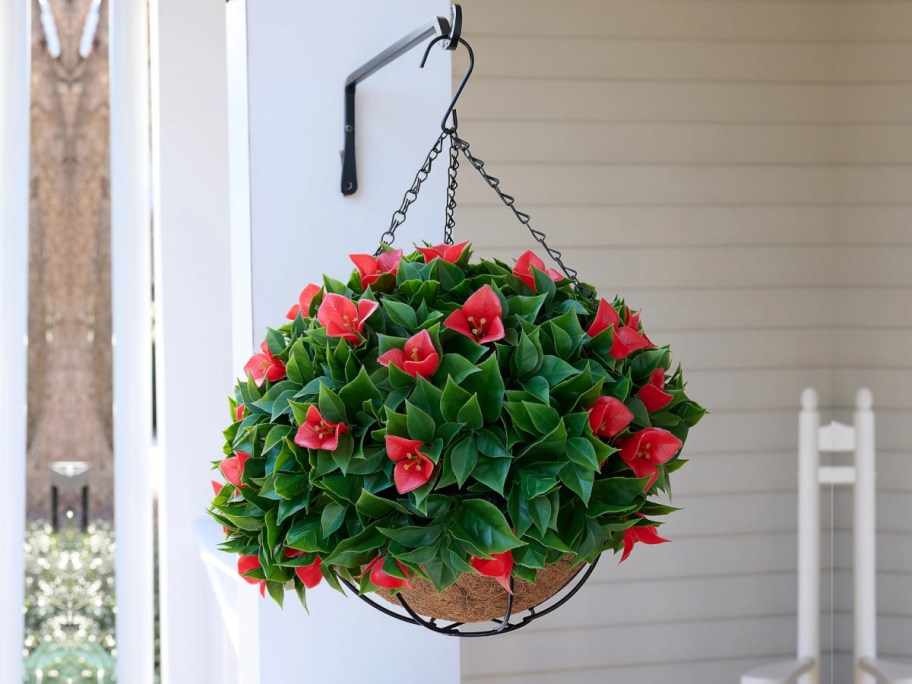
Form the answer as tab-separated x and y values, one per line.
835	437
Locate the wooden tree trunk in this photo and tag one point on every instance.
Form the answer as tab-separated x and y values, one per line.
69	402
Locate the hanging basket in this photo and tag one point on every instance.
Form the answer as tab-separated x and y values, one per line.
451	440
476	598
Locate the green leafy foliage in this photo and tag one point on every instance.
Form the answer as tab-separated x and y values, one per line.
505	424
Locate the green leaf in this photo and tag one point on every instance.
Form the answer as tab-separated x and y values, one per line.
554	369
332	408
275	341
483	525
414	537
449	275
552	443
640	414
462	459
359	390
332	518
374	506
579	479
492	472
528	357
534	483
452	399
581	451
524	307
276	435
401	314
470	413
360	549
488	384
456	366
420	425
544	418
642	365
490	444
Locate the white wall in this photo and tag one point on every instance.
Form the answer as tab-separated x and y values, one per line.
301	226
15	57
740	171
873	223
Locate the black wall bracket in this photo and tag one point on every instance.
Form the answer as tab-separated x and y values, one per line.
436	27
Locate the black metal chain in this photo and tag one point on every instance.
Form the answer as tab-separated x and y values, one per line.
458	145
510	202
450	221
411	194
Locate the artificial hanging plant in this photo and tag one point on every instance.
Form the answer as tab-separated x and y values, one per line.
436	419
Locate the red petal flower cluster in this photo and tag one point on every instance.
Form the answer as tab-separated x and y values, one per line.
648	449
310	575
608	416
627	338
420	357
382	578
413	468
640	534
370	269
247	564
480	318
523	269
500	567
653	394
318	433
450	253
342	318
265	366
233	468
304	300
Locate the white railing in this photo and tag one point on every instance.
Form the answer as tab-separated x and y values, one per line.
15	51
131	313
860	476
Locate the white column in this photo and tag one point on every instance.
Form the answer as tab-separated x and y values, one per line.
809	535
298	56
193	312
15	53
131	282
865	536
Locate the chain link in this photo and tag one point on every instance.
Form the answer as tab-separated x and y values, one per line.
450	221
411	194
521	216
458	145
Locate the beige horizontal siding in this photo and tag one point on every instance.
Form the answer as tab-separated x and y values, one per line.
740	171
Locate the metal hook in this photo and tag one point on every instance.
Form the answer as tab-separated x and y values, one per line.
452	108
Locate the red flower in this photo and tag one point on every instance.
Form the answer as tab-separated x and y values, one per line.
247	564
499	567
216	487
413	468
370	269
419	358
342	318
523	269
383	579
648	449
605	317
304	300
310	575
627	338
239	412
265	366
608	416
450	253
318	433
640	533
479	318
233	467
653	394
